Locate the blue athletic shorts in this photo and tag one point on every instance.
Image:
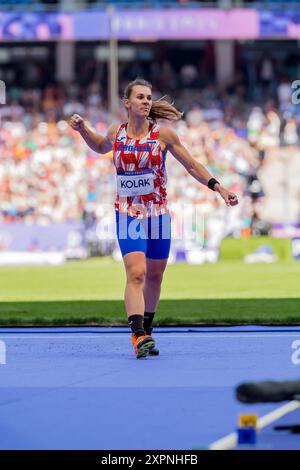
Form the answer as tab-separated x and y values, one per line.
150	235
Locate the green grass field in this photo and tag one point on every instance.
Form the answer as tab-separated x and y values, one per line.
91	292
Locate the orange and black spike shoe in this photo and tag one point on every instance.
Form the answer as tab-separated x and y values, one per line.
142	345
154	351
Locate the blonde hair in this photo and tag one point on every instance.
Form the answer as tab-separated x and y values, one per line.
160	109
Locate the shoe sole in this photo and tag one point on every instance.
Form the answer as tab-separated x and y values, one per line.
144	349
154	352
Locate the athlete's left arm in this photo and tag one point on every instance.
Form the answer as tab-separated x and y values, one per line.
198	171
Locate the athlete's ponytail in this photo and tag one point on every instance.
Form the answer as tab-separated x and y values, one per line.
164	110
160	109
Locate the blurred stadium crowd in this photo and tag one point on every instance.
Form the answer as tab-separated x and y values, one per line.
47	4
48	174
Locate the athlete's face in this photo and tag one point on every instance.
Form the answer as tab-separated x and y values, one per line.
139	101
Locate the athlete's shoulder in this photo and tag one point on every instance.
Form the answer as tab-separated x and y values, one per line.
168	135
112	132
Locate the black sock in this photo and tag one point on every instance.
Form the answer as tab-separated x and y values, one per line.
148	320
136	325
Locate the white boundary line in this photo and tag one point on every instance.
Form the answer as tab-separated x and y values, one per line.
230	441
125	334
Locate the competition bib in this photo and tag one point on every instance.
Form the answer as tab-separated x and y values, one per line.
135	183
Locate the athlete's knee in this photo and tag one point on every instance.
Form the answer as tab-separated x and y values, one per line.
155	277
136	275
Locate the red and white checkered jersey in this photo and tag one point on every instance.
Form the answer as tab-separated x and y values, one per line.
134	155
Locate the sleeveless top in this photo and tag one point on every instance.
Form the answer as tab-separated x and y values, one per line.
141	174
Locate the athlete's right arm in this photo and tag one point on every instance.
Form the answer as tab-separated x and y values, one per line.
96	142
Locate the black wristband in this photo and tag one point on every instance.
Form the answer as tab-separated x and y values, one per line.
211	183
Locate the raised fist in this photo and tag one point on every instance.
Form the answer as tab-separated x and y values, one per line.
76	122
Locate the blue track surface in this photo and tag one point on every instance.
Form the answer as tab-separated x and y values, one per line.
82	388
